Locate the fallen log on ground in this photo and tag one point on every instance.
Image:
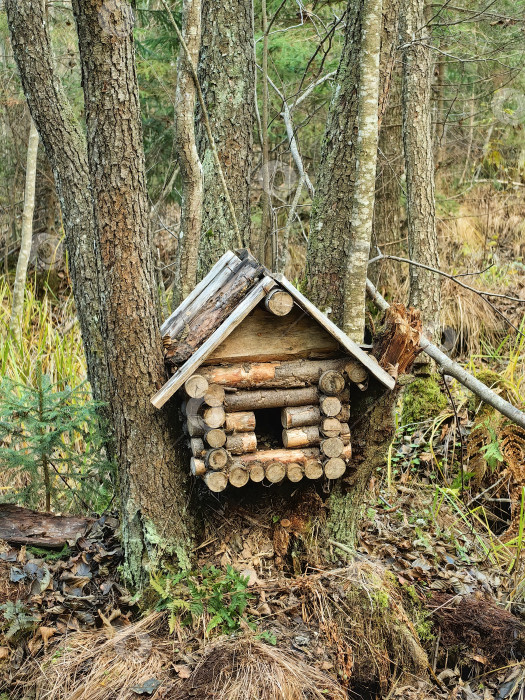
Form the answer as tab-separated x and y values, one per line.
452	369
23	526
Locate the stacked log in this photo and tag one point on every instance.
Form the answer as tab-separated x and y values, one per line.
314	399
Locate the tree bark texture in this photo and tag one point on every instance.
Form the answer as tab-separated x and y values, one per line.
371	437
328	246
364	190
186	147
17	307
227	78
390	166
425	286
152	481
65	147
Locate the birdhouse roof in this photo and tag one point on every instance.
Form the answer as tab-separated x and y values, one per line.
257	282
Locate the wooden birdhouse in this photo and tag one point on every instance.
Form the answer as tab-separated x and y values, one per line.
268	382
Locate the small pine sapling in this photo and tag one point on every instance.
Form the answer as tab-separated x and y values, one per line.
52	442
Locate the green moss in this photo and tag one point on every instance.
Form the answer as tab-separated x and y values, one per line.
422	399
495	382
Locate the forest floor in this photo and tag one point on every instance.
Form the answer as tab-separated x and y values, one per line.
431	605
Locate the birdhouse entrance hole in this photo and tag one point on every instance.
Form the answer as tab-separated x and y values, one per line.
268	428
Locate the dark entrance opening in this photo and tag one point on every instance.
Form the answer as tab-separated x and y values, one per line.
268	428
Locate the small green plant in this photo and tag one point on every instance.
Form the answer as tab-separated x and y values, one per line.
51	441
18	617
268	637
221	597
492	452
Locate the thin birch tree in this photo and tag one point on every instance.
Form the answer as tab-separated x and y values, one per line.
364	190
27	232
186	146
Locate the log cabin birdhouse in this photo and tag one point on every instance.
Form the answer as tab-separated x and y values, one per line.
268	383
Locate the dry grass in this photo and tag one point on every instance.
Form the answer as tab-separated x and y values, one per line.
103	664
246	668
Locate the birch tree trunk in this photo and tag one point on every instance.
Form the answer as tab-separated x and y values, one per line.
227	79
27	232
152	476
364	191
332	212
425	287
186	146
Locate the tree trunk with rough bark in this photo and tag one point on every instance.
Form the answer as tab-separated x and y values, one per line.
152	477
65	147
186	146
364	190
425	287
387	206
328	246
227	78
27	232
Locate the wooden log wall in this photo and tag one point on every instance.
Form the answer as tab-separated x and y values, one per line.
314	398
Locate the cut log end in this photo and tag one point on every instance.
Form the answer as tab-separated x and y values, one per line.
356	372
332	447
294	472
330	406
214	417
214	396
331	382
331	427
278	302
334	468
215	437
275	472
238	476
196	386
217	459
313	469
256	471
216	481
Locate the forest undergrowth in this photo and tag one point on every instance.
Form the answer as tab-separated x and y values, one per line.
432	603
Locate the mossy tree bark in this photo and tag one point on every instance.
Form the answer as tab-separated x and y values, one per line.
227	78
330	244
425	286
329	241
371	437
152	479
390	165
